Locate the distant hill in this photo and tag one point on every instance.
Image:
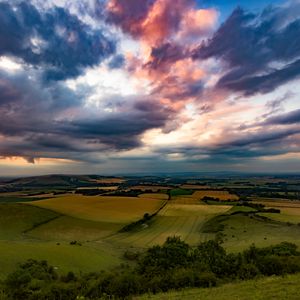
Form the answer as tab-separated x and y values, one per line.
66	181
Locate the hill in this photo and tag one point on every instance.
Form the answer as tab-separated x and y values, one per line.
279	288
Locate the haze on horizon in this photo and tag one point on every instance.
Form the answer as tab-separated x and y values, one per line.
125	86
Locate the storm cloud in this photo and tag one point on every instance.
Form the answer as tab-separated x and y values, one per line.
53	40
260	50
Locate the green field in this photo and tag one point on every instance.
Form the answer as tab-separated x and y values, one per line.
31	232
16	219
64	257
277	288
241	230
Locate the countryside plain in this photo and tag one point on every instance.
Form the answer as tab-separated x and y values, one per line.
86	223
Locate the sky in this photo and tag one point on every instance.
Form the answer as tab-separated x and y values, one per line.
130	86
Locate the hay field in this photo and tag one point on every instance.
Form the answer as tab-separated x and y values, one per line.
174	219
108	180
195	186
100	208
105	188
153	188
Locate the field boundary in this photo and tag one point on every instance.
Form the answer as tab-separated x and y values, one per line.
146	218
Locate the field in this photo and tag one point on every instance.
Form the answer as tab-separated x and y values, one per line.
118	210
279	288
154	196
153	188
30	232
240	230
64	257
174	219
221	195
41	222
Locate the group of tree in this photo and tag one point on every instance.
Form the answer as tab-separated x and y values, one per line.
173	265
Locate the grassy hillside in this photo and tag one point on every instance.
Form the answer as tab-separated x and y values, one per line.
63	256
279	288
16	219
32	232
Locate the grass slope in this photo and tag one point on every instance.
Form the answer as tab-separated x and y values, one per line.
277	288
64	257
27	232
242	230
66	228
16	219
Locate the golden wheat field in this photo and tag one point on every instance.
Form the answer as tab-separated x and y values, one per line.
99	208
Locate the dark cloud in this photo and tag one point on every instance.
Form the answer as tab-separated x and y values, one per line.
129	14
54	40
253	45
164	55
117	62
39	120
292	117
151	20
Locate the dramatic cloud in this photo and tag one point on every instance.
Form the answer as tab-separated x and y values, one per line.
292	117
261	50
55	40
155	83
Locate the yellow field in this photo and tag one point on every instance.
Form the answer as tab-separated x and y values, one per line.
155	188
108	180
174	219
287	214
102	209
108	188
222	195
277	203
194	186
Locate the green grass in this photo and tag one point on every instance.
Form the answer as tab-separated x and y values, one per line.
237	208
240	231
16	219
16	199
31	232
276	288
64	257
67	228
179	192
